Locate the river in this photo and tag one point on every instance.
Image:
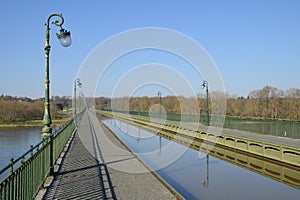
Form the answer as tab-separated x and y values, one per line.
197	176
15	141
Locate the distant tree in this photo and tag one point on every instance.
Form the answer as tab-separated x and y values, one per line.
23	108
268	102
293	93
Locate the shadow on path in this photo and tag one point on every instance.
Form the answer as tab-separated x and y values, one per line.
80	176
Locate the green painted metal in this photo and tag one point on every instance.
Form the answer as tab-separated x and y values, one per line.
76	83
277	127
205	85
28	172
47	130
275	167
280	153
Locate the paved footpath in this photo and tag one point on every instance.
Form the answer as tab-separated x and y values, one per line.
98	166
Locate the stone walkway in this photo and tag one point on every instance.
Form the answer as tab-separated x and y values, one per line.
98	166
80	176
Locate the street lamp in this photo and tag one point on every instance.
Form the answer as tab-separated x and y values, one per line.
138	106
65	39
159	94
79	84
81	99
205	85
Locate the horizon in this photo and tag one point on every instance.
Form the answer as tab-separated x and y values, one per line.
253	44
234	96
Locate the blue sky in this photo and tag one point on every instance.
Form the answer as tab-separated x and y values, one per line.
253	43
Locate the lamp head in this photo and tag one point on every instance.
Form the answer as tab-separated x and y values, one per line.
78	82
203	85
64	37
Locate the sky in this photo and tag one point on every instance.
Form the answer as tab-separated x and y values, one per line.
252	43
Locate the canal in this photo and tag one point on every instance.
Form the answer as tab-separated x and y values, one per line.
196	175
15	141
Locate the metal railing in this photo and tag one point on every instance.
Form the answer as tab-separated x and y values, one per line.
26	174
196	138
278	127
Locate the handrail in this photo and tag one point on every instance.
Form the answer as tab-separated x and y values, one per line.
268	126
36	164
32	148
285	154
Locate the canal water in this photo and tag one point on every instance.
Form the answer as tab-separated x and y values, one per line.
15	141
194	174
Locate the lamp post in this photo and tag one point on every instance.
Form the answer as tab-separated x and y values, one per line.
160	117
159	94
65	40
81	98
205	85
138	106
79	84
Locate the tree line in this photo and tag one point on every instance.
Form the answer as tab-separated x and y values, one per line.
23	108
268	102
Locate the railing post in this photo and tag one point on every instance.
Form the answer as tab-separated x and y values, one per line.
31	150
24	181
11	165
51	156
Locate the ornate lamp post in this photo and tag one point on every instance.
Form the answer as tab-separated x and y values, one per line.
65	40
160	117
78	83
159	95
205	85
81	99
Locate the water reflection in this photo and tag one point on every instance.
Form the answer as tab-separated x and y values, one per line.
205	182
222	174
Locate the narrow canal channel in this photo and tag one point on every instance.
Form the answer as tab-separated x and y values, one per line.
198	176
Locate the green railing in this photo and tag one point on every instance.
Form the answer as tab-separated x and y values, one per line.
167	116
278	127
26	174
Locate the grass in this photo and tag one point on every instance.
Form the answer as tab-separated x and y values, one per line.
60	119
56	122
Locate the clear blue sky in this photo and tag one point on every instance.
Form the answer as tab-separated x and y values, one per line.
253	43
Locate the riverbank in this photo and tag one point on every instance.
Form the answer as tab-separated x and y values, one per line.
37	123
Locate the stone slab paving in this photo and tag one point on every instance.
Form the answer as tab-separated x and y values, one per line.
98	166
79	177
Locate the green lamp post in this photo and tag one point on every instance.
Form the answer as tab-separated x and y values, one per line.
79	84
65	40
159	95
138	106
205	85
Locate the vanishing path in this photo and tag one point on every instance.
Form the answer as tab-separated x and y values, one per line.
97	166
